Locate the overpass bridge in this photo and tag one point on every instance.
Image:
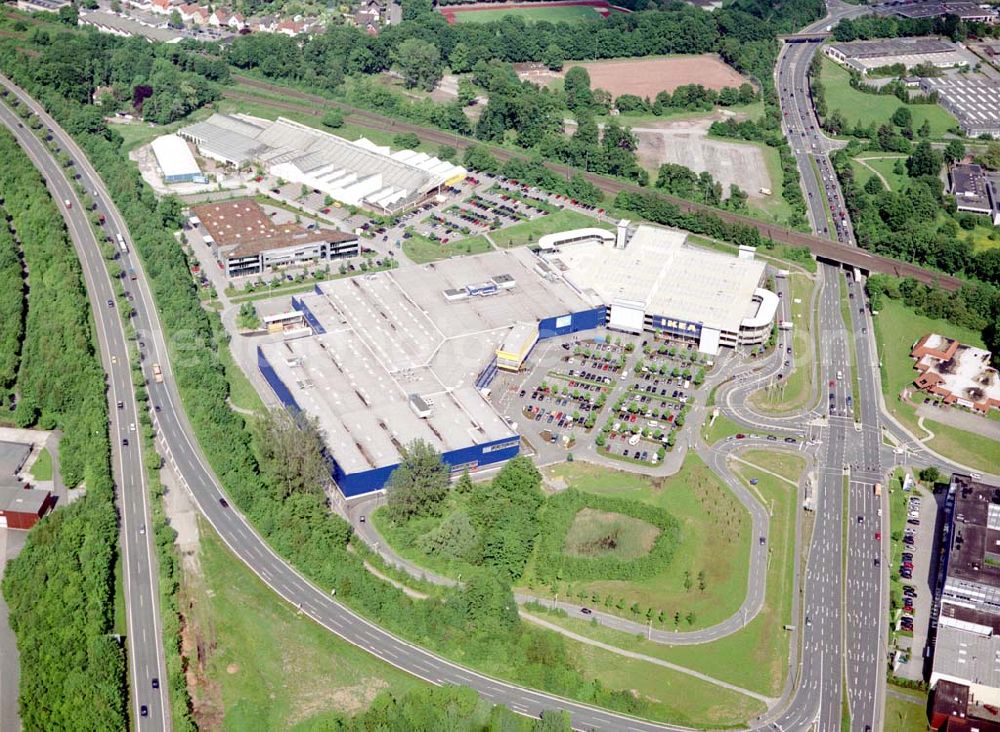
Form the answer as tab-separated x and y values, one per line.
815	37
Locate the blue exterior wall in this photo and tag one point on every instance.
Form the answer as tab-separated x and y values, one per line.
280	390
308	315
356	484
572	323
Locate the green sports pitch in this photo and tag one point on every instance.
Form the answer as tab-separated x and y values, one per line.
551	14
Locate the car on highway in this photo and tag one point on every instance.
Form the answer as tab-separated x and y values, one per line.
111	303
586	611
124	442
143	711
156	683
223	502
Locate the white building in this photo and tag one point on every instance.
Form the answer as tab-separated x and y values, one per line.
657	282
174	158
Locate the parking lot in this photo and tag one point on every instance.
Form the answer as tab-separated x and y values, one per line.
611	393
914	563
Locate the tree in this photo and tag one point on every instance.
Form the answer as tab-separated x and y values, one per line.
419	484
447	152
991	158
406	140
460	58
902	117
576	85
332	118
454	538
554	57
923	161
175	19
248	318
925	130
419	62
68	15
930	475
954	151
292	453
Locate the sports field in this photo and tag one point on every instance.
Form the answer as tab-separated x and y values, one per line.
531	13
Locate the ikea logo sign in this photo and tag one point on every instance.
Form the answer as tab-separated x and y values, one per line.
677	326
501	446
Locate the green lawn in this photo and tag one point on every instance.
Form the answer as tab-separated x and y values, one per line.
884	164
138	133
774	207
421	250
756	657
796	391
859	107
552	14
675	697
905	716
897	522
722	427
242	394
983	236
714	539
42	469
897	328
268	667
528	232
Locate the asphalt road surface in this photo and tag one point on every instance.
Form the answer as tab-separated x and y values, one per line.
144	639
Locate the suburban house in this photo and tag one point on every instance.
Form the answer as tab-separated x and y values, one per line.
957	373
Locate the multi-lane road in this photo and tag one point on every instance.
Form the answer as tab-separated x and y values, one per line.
144	639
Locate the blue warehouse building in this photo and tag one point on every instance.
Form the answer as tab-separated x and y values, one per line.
408	354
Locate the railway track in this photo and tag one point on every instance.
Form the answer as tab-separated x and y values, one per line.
826	249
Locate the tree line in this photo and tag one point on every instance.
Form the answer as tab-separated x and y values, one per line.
60	588
13	304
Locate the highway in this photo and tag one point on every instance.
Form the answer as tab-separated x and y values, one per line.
853	434
144	641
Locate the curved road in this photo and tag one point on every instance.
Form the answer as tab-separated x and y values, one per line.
144	639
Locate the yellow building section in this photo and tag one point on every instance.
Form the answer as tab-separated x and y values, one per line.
516	346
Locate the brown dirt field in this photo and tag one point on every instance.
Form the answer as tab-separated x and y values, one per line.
645	77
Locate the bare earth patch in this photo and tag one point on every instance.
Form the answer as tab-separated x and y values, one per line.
686	142
596	533
644	77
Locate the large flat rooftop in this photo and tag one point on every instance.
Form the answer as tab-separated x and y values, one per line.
394	335
672	278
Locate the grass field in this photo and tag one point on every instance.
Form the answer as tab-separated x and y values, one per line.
601	534
722	427
754	658
42	468
796	390
905	715
755	110
421	250
270	668
897	522
897	328
242	394
714	539
676	697
774	207
859	107
552	14
528	232
863	166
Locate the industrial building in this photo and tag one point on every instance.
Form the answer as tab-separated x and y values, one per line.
20	507
966	668
125	27
405	354
975	190
409	353
246	241
975	102
863	56
652	280
357	173
175	161
967	11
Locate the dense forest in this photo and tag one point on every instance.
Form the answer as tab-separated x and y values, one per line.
12	311
60	588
